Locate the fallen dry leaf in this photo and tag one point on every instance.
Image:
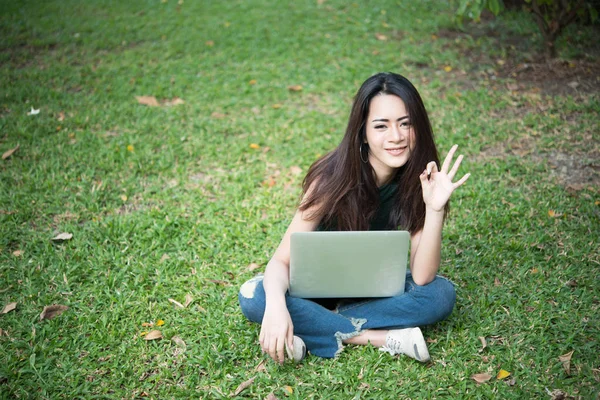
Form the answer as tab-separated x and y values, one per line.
188	300
149	101
481	378
160	322
175	101
554	214
62	237
52	311
288	389
209	43
502	374
253	266
571	283
271	396
147	324
243	386
176	303
483	343
261	366
164	257
295	170
254	146
17	253
511	382
9	307
252	82
497	282
558	394
33	111
218	115
178	341
447	68
565	359
10	152
295	88
276	106
153	335
219	282
380	36
61	116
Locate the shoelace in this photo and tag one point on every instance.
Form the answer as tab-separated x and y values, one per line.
392	346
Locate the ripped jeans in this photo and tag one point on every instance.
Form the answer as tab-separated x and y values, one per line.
323	330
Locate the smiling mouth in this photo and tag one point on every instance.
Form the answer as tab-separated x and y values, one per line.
396	151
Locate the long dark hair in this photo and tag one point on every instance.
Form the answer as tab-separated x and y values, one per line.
343	190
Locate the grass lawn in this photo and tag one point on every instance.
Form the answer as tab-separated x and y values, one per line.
181	200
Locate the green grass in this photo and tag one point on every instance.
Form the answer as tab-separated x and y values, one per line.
190	205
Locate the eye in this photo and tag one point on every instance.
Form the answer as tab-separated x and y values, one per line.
379	126
405	124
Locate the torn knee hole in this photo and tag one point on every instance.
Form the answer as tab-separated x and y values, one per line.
247	290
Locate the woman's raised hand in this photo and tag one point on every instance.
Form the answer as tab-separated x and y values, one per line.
437	185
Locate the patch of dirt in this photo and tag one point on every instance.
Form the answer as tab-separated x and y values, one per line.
523	61
24	54
555	77
575	170
500	59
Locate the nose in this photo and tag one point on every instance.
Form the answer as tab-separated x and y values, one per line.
396	134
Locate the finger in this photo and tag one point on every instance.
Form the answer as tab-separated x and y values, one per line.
448	158
273	349
281	351
455	167
461	181
431	167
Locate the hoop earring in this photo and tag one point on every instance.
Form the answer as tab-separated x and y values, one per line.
360	152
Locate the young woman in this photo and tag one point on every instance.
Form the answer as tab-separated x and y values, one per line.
383	176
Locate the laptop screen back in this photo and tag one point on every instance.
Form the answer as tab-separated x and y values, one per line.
348	264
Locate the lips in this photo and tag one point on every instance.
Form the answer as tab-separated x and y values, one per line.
396	151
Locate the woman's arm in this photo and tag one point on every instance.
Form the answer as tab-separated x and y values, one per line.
426	244
277	329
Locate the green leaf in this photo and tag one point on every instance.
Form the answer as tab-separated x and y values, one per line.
593	14
494	6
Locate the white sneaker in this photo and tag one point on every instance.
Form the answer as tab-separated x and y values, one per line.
408	341
299	351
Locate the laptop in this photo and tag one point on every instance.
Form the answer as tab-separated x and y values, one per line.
348	264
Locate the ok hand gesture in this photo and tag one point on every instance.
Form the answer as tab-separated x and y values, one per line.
437	185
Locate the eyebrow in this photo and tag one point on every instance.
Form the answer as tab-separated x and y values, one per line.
387	120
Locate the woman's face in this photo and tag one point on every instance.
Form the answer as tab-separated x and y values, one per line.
389	134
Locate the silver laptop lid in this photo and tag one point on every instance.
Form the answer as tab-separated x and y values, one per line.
348	264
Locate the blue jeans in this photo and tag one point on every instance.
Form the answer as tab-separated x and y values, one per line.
323	330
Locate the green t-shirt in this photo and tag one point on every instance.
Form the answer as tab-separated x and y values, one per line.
386	203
